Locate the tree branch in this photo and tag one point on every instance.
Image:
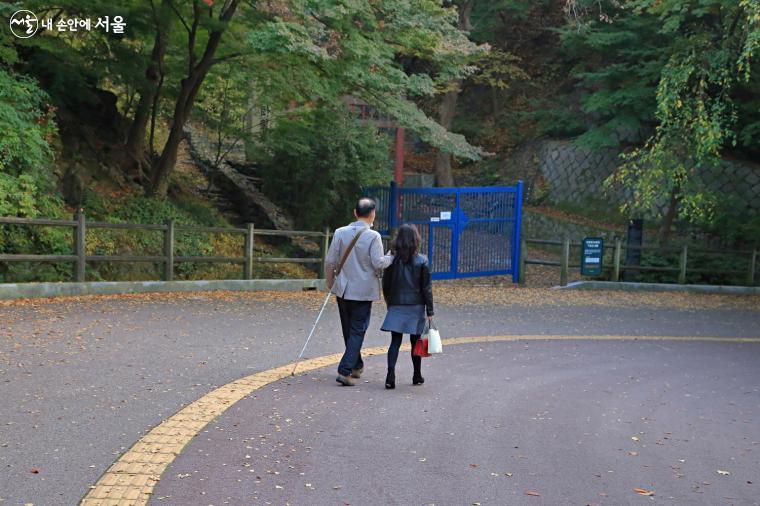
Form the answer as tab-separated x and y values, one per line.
230	56
191	38
179	15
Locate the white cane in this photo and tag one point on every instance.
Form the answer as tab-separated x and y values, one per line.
327	299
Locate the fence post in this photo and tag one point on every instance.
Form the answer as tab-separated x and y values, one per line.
682	265
393	207
616	260
521	264
751	273
564	261
323	253
80	233
518	230
169	251
248	266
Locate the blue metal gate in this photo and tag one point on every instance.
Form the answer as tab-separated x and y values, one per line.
465	232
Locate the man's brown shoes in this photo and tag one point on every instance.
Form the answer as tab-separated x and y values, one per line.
344	380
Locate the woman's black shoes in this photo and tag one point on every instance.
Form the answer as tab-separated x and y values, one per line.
390	380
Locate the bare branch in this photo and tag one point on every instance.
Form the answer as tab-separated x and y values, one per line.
179	15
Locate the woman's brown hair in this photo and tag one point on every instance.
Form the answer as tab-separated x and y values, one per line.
407	242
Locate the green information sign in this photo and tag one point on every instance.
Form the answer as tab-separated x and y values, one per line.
591	256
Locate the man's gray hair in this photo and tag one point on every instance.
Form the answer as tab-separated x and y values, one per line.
364	207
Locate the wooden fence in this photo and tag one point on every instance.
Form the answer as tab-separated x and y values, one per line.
618	266
79	258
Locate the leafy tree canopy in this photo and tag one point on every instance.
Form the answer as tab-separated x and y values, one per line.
322	50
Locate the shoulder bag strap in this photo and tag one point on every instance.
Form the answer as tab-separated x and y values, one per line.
348	251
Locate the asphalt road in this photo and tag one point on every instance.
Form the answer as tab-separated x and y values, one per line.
81	380
493	423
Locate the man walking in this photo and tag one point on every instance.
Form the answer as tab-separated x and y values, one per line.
353	261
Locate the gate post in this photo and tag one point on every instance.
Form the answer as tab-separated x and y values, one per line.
516	244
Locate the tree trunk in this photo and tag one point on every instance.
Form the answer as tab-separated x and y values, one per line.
443	175
148	94
161	171
447	109
135	149
669	218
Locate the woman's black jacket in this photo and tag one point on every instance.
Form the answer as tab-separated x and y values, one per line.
408	283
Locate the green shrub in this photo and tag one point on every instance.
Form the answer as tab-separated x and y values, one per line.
314	165
25	180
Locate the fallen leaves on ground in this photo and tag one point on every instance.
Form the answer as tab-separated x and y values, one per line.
489	292
497	290
532	494
643	491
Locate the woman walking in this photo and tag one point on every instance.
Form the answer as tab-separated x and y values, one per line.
408	292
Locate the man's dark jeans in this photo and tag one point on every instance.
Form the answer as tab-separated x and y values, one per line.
354	320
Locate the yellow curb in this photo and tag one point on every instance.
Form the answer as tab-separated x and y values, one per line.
131	479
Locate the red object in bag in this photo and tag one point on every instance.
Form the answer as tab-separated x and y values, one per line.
421	348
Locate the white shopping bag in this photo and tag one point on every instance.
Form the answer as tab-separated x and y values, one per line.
434	340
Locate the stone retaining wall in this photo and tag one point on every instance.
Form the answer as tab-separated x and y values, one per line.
541	226
576	175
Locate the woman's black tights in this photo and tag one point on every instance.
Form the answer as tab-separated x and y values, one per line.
396	338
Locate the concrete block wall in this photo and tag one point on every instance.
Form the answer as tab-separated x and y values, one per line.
575	174
537	225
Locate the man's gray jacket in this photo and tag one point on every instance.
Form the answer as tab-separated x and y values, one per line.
358	280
